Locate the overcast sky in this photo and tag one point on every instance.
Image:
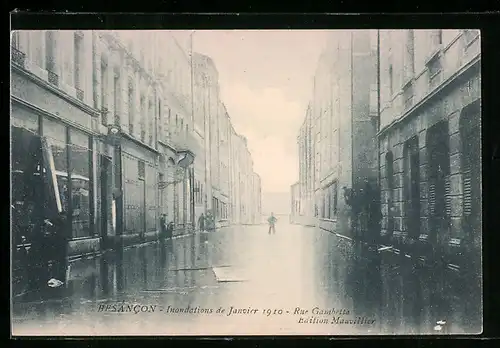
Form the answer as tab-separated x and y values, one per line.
266	82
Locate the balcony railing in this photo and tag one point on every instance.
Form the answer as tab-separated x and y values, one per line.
79	94
53	78
18	57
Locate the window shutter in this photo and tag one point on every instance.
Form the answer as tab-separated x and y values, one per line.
467	189
447	190
432	198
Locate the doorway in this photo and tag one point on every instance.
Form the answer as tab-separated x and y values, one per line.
439	176
105	183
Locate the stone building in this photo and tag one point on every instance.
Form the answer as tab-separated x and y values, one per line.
52	100
337	141
116	122
430	142
228	164
255	199
306	171
296	202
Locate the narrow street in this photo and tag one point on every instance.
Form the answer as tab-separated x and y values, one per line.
278	279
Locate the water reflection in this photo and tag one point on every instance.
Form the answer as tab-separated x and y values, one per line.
403	297
303	265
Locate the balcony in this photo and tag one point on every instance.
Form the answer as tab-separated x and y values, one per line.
53	78
79	94
18	57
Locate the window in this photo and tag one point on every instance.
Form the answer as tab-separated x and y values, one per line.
437	37
142	120
161	180
80	156
151	117
470	36
410	54
141	169
78	60
391	86
131	107
116	98
15	39
389	167
72	160
160	121
50	51
439	176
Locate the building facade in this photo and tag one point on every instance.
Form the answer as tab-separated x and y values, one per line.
117	132
295	210
71	88
337	141
256	200
429	142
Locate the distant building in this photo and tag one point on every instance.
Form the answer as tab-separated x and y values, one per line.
296	216
430	141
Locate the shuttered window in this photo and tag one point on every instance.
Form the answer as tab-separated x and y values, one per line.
447	190
432	198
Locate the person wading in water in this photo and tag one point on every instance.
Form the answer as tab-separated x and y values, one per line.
272	221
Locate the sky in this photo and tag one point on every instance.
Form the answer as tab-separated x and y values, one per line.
266	81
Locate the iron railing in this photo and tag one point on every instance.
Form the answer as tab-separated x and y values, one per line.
80	94
53	78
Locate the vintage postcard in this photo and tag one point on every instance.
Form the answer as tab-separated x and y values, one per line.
246	182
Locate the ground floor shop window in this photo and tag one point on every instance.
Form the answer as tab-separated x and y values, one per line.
27	171
80	183
67	151
70	152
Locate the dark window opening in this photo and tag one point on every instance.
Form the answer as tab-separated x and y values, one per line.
412	187
439	179
389	167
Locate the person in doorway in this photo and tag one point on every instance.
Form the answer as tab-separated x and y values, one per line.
272	221
163	227
201	223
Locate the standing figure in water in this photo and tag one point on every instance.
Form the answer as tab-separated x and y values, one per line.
272	221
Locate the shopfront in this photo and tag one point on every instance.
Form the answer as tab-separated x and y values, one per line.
52	171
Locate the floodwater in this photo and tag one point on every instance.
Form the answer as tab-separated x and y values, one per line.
242	281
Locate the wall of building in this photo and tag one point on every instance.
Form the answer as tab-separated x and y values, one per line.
91	80
442	89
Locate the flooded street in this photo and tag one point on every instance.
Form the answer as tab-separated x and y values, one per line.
243	281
